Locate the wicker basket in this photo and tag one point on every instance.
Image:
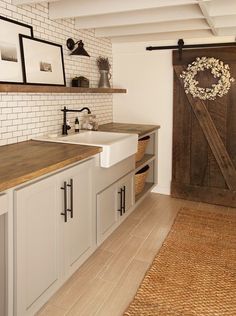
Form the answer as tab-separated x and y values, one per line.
142	144
140	178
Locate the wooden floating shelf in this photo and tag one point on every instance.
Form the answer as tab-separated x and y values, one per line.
23	88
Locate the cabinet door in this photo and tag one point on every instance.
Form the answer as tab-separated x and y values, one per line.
37	272
126	193
3	253
3	271
107	212
78	235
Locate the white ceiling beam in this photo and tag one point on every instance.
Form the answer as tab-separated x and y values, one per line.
227	31
222	7
150	28
140	17
79	8
223	21
162	36
205	11
23	2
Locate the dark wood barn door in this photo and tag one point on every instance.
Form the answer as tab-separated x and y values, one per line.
204	135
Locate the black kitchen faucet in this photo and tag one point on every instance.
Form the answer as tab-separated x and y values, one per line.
65	127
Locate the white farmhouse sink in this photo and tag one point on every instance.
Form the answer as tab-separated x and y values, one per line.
116	146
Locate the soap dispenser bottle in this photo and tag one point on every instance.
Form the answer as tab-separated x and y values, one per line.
77	125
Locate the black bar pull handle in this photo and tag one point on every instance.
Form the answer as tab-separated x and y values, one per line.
64	188
124	199
121	202
71	199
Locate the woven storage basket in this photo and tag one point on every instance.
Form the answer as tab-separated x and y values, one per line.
142	144
140	178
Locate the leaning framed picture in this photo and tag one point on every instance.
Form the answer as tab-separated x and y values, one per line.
42	62
10	55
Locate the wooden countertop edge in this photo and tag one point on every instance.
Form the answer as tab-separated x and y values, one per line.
151	130
121	128
140	129
44	171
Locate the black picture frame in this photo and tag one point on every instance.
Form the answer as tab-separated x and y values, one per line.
40	65
8	44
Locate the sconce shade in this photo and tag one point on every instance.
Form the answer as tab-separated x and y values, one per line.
79	50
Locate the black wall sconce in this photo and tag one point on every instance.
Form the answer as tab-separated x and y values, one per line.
79	50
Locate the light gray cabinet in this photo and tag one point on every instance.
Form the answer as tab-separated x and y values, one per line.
113	205
125	194
2	266
107	212
3	254
37	216
77	232
53	234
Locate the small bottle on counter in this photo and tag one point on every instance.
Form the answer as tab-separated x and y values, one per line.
77	125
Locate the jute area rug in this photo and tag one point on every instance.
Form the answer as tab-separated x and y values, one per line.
194	272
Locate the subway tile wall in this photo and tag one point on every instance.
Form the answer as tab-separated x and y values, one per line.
23	116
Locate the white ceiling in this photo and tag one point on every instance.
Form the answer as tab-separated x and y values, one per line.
147	20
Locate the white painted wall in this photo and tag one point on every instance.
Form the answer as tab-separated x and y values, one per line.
148	76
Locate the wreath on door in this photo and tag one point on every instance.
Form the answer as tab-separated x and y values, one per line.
218	70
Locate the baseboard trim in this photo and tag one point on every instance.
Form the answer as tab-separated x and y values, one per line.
161	189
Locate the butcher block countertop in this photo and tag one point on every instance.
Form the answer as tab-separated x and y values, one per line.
28	160
140	129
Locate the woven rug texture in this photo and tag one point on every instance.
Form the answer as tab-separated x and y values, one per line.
194	273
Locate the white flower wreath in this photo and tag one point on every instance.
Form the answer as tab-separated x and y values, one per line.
218	70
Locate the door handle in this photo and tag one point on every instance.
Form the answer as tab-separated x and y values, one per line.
124	199
121	202
64	188
71	199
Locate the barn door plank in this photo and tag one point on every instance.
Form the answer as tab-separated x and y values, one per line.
218	113
231	118
199	170
213	138
182	125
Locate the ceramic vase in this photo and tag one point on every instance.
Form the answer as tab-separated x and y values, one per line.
105	76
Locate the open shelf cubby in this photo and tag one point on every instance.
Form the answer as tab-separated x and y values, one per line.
150	159
144	161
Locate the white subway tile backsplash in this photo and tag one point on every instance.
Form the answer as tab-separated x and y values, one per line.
23	116
21	138
6	123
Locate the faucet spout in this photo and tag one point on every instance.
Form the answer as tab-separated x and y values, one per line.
85	108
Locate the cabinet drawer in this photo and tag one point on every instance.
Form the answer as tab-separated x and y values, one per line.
3	203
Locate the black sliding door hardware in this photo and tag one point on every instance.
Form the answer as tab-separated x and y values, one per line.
180	46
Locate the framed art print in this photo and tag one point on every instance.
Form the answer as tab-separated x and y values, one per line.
10	55
42	62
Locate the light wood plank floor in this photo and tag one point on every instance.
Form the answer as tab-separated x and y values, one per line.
108	280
